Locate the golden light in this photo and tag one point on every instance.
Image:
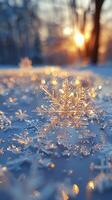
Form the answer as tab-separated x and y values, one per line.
79	39
90	185
54	82
92	93
75	189
77	82
52	165
43	81
87	36
67	31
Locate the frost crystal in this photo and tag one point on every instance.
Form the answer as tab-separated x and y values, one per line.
71	105
21	115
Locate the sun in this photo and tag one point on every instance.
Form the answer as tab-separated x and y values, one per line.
79	39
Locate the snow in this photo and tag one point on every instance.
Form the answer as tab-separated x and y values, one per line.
59	163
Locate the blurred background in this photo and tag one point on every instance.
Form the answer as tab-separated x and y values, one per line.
57	32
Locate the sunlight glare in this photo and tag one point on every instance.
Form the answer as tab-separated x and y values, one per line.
67	31
79	39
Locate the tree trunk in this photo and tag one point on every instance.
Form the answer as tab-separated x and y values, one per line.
96	31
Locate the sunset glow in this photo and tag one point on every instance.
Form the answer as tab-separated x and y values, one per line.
87	36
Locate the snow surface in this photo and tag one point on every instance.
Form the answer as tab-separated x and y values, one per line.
68	169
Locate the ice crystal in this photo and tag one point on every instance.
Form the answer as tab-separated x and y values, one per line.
23	138
21	115
14	149
4	121
71	105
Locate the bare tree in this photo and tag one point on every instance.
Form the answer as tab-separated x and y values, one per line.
92	45
96	30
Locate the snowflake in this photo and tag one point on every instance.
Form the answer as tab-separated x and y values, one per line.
21	115
71	105
23	138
